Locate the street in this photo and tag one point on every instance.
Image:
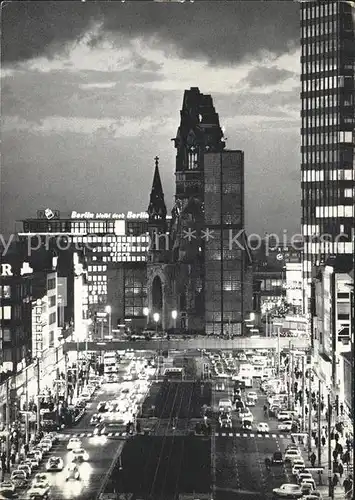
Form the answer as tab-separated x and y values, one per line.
100	449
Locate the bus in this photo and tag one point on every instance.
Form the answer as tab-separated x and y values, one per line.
110	363
246	379
173	374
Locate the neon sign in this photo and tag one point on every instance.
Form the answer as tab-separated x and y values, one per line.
108	215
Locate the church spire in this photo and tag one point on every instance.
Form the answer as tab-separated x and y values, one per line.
157	208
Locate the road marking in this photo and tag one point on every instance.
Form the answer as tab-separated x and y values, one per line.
281	436
89	435
83	434
260	435
237	434
117	434
217	434
252	435
231	434
273	435
267	435
110	434
245	435
224	434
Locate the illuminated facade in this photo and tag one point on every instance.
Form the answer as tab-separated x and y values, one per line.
331	316
328	63
115	247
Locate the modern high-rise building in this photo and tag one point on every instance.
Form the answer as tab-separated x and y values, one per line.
328	111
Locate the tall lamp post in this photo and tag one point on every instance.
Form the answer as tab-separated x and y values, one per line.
174	316
156	317
146	314
108	310
278	325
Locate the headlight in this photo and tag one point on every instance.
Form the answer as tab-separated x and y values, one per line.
86	456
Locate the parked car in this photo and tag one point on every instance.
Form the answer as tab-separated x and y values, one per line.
288	491
292	453
285	425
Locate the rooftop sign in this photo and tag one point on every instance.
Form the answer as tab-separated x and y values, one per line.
108	215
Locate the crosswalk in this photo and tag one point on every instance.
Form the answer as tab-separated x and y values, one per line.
251	435
66	437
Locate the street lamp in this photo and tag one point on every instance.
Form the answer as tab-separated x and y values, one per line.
108	310
146	313
278	325
174	316
156	317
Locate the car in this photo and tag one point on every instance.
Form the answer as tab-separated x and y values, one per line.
73	443
26	468
45	445
247	414
263	427
40	477
38	452
79	454
225	421
292	453
301	471
292	446
276	458
307	488
284	415
95	419
288	490
102	407
7	486
54	464
18	477
246	424
304	476
297	466
39	490
72	472
53	436
252	395
297	461
33	464
308	480
314	495
33	458
286	425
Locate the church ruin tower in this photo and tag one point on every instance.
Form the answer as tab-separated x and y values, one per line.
199	132
157	226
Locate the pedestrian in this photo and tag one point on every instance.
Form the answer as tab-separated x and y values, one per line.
335	455
306	410
332	435
336	437
341	409
322	407
313	458
335	480
323	441
339	448
346	485
340	469
316	441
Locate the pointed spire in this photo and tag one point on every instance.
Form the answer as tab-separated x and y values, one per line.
157	208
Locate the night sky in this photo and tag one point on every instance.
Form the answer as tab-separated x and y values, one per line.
92	92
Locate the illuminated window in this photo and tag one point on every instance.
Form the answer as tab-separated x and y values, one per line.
5	312
5	292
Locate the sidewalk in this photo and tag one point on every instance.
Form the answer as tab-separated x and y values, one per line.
323	487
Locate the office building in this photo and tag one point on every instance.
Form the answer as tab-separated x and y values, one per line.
331	321
327	95
115	247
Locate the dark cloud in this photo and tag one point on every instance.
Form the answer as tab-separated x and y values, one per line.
219	31
262	76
